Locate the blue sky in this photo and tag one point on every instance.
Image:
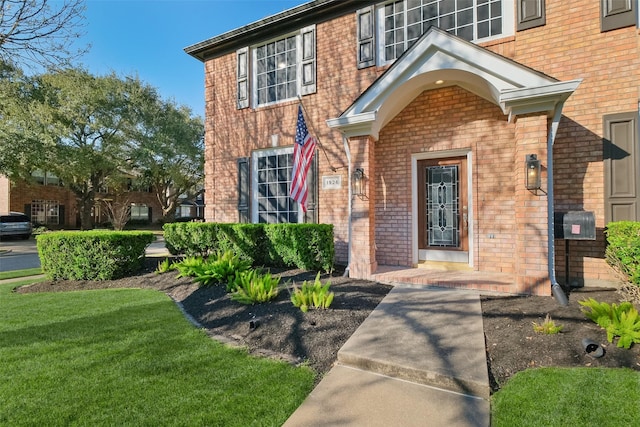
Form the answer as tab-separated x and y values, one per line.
147	38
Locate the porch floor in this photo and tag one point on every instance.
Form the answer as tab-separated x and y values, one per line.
461	279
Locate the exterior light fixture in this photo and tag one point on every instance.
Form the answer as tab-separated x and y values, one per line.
357	184
532	171
439	82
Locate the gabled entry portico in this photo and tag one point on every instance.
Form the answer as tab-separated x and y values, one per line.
448	123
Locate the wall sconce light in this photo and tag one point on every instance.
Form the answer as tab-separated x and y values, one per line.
532	170
357	184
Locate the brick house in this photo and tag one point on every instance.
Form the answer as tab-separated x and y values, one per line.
447	109
49	203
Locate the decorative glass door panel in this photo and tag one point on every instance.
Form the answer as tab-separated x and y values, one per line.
442	209
443	206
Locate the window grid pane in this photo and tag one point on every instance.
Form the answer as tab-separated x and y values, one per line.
139	212
274	181
406	20
46	212
276	70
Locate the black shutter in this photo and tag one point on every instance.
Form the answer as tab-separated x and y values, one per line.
617	14
242	56
531	13
61	218
366	37
27	210
150	216
243	190
312	197
621	167
308	58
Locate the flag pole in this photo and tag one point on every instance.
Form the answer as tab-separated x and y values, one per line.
319	143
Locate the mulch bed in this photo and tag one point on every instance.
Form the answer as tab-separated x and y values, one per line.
280	330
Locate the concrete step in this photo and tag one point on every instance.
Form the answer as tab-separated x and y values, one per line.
427	336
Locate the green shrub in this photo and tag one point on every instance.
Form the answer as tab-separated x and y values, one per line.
92	255
620	321
623	249
314	295
305	246
221	268
252	287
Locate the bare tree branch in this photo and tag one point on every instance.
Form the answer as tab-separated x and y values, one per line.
41	32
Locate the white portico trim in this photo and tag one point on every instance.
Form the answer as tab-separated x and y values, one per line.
439	59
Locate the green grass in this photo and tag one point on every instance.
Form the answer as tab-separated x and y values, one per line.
20	273
568	397
129	357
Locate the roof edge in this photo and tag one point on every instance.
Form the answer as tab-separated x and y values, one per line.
272	26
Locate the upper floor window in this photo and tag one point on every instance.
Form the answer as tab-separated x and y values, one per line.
45	178
279	69
400	23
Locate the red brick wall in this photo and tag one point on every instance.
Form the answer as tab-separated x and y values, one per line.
570	46
448	119
5	186
233	133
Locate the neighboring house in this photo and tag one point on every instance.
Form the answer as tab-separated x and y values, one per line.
440	122
191	209
47	202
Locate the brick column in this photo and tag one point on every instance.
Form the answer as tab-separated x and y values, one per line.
532	275
5	187
363	224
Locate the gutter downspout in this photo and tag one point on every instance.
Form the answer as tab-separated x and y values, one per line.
347	150
556	289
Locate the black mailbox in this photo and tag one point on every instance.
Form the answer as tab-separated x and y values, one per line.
575	225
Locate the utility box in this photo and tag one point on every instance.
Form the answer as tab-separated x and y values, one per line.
575	225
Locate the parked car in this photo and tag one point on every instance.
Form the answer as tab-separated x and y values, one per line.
15	224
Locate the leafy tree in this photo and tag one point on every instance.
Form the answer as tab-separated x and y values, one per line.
40	32
170	153
21	136
78	125
96	132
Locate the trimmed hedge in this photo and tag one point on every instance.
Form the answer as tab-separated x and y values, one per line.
623	248
92	255
305	246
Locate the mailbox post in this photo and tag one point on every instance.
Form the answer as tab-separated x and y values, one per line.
573	225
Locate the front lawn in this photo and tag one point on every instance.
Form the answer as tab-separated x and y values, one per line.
568	397
129	357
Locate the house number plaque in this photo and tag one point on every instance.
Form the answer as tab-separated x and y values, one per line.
332	182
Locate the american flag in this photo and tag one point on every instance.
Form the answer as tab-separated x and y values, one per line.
302	155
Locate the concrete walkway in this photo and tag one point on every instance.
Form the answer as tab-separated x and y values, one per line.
418	360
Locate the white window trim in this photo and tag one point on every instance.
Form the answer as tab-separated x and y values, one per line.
299	62
254	180
508	27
